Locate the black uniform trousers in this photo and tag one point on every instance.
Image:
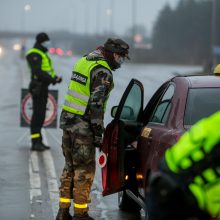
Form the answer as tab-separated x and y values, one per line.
39	112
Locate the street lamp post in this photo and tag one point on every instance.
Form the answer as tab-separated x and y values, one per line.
133	20
109	14
86	16
111	21
98	17
26	8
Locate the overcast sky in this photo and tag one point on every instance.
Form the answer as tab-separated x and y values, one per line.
81	16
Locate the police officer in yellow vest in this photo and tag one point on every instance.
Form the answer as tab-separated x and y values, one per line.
187	185
82	123
42	75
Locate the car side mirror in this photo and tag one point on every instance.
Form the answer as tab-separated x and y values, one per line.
126	114
113	111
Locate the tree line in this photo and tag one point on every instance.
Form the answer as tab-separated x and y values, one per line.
188	33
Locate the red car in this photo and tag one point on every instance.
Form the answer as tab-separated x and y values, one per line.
175	107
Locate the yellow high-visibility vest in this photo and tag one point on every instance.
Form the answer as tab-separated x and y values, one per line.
200	145
77	97
47	64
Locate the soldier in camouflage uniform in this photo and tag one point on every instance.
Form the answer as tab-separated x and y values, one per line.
83	126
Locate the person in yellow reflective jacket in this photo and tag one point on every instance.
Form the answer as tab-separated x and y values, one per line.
42	75
82	121
187	184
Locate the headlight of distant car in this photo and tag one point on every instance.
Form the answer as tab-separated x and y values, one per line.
17	47
1	51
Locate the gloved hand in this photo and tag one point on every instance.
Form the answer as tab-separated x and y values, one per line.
98	142
59	79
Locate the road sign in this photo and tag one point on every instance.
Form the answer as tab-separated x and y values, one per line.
51	109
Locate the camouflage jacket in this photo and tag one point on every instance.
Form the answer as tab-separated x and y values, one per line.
101	85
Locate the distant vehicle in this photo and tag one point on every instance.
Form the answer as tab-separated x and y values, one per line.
1	50
174	108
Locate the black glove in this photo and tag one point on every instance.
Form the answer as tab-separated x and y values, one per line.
59	79
98	142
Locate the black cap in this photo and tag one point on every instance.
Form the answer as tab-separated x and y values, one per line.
116	45
41	37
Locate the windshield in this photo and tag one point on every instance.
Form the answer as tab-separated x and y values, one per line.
201	102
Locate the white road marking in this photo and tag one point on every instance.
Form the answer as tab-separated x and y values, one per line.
35	182
51	181
54	137
51	177
34	161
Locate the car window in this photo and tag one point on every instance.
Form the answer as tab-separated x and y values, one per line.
201	102
162	110
132	105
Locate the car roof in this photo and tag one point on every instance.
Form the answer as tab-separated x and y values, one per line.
198	81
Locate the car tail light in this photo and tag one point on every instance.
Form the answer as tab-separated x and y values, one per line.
59	51
69	53
52	50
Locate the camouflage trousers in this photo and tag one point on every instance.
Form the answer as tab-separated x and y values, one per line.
79	170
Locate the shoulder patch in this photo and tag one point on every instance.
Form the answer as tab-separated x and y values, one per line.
80	78
35	58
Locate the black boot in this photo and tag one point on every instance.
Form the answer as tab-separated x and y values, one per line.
85	217
45	146
37	147
63	214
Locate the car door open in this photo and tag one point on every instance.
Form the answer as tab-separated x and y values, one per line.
119	133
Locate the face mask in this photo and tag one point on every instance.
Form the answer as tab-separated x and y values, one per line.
121	60
46	44
115	65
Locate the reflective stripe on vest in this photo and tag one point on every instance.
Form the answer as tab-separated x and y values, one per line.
77	97
200	146
46	64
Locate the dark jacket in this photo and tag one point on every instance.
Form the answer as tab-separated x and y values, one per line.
34	60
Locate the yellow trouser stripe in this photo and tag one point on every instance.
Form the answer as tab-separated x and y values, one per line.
37	135
80	206
65	200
